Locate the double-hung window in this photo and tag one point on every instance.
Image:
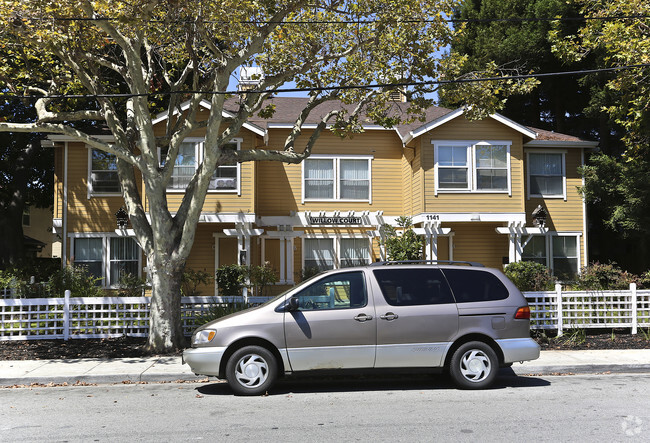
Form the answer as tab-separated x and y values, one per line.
558	252
330	253
472	166
107	257
337	178
225	178
546	175
102	176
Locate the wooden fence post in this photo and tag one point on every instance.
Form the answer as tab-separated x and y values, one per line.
558	293
634	307
66	315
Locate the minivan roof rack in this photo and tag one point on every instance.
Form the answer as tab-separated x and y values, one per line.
446	262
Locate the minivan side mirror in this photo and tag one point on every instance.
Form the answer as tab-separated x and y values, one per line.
294	304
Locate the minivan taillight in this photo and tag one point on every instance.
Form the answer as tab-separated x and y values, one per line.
523	313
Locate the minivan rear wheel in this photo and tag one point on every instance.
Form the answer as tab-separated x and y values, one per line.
251	370
474	365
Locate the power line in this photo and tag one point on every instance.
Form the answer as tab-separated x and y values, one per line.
333	88
356	22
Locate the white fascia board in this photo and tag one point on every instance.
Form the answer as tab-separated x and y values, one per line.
514	125
67	138
226	218
431	125
560	144
455	217
457	113
207	105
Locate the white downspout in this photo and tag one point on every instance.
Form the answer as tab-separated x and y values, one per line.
64	245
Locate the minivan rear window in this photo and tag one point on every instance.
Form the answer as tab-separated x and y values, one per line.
471	285
408	287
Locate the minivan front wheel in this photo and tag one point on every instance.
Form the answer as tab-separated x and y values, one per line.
474	365
251	370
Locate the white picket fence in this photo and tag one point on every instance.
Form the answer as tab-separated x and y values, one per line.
102	317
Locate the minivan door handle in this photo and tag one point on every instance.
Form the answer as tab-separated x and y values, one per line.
363	317
389	316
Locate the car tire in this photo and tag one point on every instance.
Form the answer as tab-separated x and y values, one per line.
251	370
474	365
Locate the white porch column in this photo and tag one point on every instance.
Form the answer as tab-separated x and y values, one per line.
282	260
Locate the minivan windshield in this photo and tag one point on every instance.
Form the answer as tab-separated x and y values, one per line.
298	286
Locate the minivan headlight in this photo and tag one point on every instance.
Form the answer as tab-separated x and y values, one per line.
203	337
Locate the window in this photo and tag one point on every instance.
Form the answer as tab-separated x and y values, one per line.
453	167
338	291
319	253
107	257
469	285
409	287
124	258
565	257
471	166
224	178
491	167
354	252
330	253
88	253
336	178
559	253
546	174
535	250
103	173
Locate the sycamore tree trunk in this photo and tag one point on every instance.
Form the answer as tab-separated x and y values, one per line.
165	330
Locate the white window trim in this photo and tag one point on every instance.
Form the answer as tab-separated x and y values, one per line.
337	246
337	162
546	151
198	149
471	166
90	192
106	253
548	239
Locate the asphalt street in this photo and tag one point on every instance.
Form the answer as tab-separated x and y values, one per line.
398	408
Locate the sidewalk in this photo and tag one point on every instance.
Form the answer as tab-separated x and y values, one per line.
168	369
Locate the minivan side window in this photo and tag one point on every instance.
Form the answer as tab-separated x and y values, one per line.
470	285
337	291
409	287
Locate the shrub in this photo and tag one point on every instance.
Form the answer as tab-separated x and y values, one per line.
407	246
131	285
307	273
231	279
261	277
598	277
218	310
530	276
77	280
191	280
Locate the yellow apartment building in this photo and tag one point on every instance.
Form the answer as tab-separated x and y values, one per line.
490	191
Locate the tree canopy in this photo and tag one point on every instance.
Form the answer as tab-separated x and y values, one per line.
119	62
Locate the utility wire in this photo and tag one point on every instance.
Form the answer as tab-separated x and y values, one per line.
356	22
333	88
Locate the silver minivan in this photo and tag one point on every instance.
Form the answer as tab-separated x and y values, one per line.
468	320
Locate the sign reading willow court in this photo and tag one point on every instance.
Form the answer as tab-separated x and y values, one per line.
336	220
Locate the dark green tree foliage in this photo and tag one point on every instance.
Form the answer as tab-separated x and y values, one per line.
558	103
26	178
407	246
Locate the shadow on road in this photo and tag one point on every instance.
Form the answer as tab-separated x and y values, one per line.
385	382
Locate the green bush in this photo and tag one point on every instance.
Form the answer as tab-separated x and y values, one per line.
530	276
407	246
191	280
218	310
77	280
599	276
131	285
231	279
261	277
307	273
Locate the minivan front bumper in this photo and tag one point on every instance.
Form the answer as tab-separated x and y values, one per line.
518	349
204	361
